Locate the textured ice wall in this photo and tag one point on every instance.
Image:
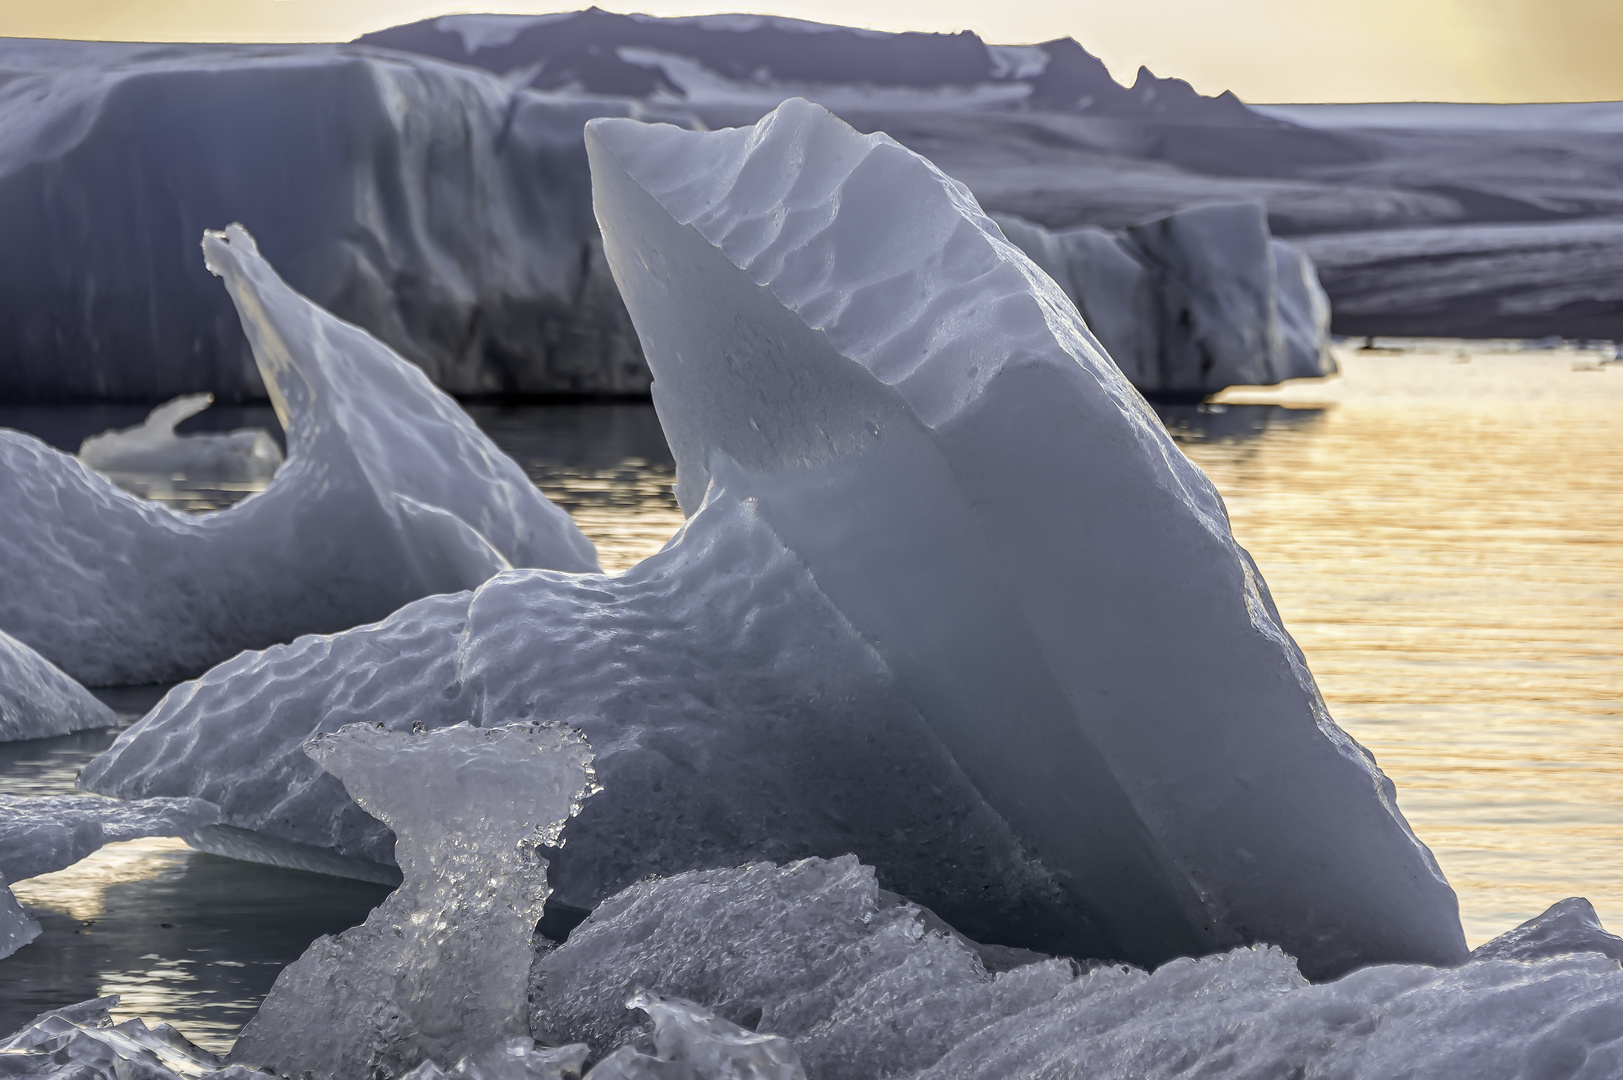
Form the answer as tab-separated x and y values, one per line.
247	454
862	987
389	492
37	700
920	415
735	716
40	835
438	969
437	206
1192	302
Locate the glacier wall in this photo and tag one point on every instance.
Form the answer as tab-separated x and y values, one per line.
435	205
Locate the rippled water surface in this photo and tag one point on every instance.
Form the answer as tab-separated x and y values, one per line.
1442	529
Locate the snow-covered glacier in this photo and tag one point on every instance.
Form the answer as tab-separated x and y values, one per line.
389	492
947	587
37	700
436	205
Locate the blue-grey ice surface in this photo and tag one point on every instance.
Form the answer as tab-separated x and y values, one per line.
38	700
947	587
389	492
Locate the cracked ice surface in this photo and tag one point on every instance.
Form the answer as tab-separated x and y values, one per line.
39	835
153	447
861	986
952	589
389	493
438	970
38	700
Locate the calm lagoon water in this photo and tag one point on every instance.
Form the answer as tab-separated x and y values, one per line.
1441	527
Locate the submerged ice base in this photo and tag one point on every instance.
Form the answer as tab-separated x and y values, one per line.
389	492
438	969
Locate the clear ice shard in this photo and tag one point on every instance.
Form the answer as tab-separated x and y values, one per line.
1570	926
81	1041
439	969
244	455
38	700
389	493
946	585
858	987
39	835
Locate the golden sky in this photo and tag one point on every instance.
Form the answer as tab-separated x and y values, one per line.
1263	50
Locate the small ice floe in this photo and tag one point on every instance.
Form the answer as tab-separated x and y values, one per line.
947	585
389	493
152	447
438	970
37	700
39	835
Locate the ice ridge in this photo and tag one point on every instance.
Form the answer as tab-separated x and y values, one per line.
389	492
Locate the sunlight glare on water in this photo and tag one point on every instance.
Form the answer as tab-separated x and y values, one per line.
1445	541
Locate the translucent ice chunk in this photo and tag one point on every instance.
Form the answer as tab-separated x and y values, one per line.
699	1045
438	970
389	493
83	1042
152	446
38	700
17	927
1570	926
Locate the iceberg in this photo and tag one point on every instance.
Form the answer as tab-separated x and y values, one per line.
389	493
861	985
439	969
39	835
37	700
244	455
1191	302
947	586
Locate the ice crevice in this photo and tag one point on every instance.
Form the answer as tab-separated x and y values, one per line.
389	492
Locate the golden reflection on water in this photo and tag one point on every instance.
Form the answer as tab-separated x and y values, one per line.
80	891
1445	541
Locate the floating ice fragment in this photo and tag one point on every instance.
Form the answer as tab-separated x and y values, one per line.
517	1058
700	1046
39	835
244	455
947	586
389	493
1570	926
81	1041
38	700
438	970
